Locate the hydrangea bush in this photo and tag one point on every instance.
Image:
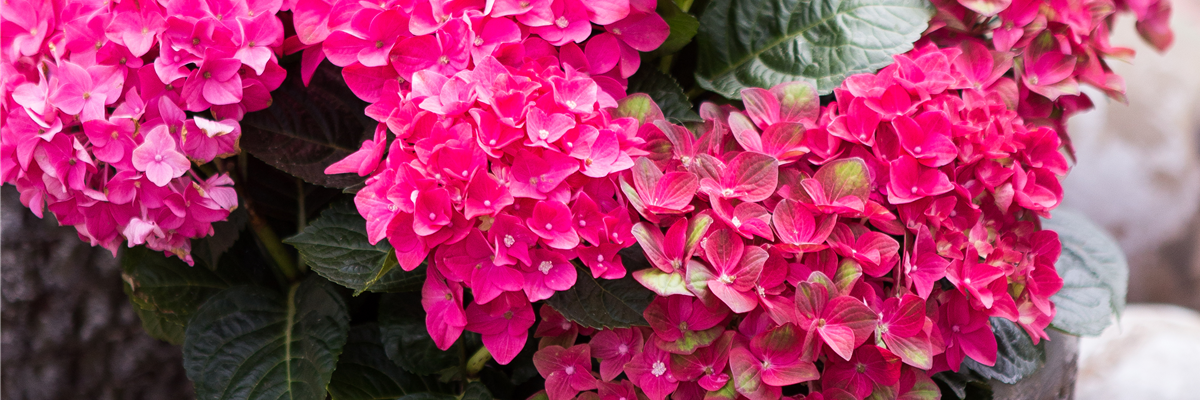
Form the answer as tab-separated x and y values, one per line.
854	210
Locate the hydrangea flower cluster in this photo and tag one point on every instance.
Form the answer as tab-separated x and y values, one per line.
1051	47
798	235
805	244
102	114
502	139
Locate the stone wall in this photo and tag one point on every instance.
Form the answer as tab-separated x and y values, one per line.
67	330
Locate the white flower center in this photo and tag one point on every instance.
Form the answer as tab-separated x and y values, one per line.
570	370
543	134
727	192
487	203
571	103
582	223
479	41
736	222
599	258
622	349
158	157
549	226
509	240
658	368
432	216
545	267
562	22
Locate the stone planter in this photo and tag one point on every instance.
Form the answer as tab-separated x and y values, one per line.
1054	381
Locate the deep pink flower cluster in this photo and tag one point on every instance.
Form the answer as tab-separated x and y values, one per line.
95	114
798	235
502	144
1051	47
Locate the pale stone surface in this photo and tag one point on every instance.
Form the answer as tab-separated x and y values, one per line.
1138	171
1151	354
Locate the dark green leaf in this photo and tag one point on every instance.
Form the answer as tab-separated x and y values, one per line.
962	385
665	92
208	250
157	326
250	342
429	396
1094	273
308	128
336	247
406	340
1016	356
603	303
762	43
476	391
683	29
166	286
365	373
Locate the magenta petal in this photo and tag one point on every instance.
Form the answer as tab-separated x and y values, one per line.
605	12
505	347
603	53
641	31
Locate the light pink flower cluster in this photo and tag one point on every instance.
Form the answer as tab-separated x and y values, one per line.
501	144
95	113
798	235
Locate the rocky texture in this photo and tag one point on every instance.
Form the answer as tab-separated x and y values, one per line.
1138	170
1151	354
68	330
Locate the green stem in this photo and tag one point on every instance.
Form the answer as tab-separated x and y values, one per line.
301	220
694	92
477	361
274	246
665	65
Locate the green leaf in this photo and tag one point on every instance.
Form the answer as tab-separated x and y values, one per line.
159	327
336	247
665	92
476	391
603	303
1094	273
1016	356
762	43
250	342
962	385
307	128
365	373
167	287
429	396
406	340
683	28
209	249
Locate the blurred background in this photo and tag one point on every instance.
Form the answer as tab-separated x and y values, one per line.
1138	175
69	332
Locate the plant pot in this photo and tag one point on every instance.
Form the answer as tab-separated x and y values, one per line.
1054	381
